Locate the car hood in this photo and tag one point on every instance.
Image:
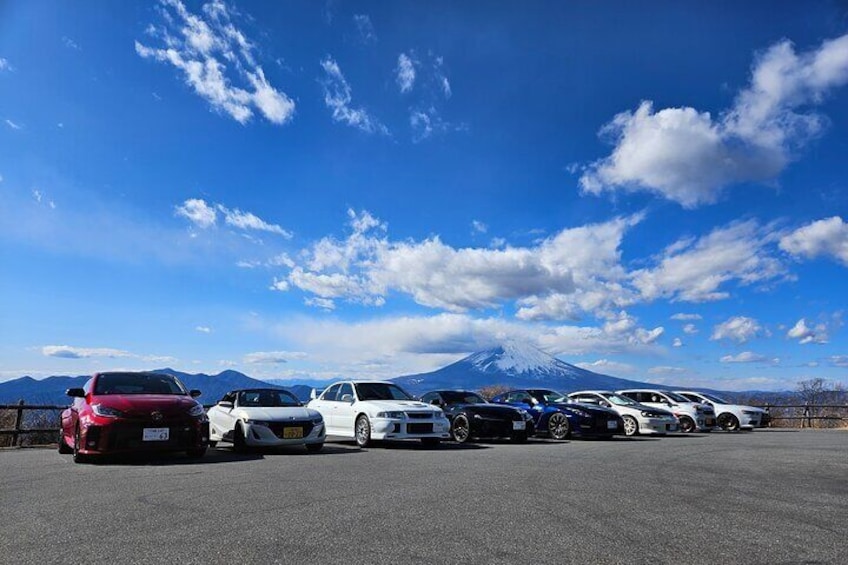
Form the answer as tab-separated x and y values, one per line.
492	410
144	404
591	409
385	405
278	413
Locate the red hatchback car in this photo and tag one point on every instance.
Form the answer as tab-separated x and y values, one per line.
125	412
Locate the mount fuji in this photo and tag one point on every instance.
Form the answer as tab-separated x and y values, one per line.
514	365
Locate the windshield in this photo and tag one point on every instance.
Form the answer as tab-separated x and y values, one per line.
137	383
545	395
270	398
619	400
676	397
714	398
380	391
462	398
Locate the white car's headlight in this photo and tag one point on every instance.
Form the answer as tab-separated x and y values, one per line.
392	414
750	412
196	410
257	422
101	410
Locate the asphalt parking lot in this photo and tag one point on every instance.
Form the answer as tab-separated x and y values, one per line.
769	496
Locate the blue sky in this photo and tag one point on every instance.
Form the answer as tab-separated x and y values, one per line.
305	189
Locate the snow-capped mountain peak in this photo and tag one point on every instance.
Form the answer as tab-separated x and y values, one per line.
513	358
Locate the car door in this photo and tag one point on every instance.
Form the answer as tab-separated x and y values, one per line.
522	399
222	416
344	413
326	405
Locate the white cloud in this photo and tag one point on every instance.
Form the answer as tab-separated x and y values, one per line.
204	215
71	44
748	357
605	366
337	97
217	61
685	317
827	238
677	342
690	157
696	270
575	271
690	329
838	360
667	370
365	28
739	329
12	124
405	72
203	329
442	80
479	227
5	65
806	334
198	212
273	357
69	352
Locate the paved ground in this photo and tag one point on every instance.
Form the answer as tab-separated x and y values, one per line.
767	497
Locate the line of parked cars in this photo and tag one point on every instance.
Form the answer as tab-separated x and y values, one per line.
119	412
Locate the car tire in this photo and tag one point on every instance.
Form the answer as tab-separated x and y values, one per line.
362	431
461	429
631	426
64	448
78	457
314	447
431	441
558	426
239	445
728	422
687	425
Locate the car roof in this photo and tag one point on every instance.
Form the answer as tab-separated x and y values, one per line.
591	392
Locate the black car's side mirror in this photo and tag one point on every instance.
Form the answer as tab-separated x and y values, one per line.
75	392
436	402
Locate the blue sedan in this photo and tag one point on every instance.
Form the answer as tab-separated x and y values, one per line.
559	418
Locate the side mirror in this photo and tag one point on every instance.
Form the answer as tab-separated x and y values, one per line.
436	402
225	404
347	398
194	393
313	394
75	392
606	404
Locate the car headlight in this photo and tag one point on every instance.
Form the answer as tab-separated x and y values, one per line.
196	410
317	420
101	410
750	412
392	414
257	422
580	413
438	415
647	414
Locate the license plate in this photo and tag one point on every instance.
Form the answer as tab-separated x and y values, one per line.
612	425
519	425
292	433
155	434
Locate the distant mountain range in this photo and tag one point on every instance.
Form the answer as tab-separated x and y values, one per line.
514	365
52	389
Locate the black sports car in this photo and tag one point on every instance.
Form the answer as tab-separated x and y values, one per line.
471	416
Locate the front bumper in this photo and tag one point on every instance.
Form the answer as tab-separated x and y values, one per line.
596	427
284	433
102	436
658	426
406	428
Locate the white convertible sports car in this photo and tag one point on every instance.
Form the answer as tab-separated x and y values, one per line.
730	417
263	417
375	410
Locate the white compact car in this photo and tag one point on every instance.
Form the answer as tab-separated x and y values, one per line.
730	417
264	418
375	410
693	416
638	418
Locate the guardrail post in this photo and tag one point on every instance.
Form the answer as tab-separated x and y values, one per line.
19	416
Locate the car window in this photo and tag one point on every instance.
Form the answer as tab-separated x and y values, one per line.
330	393
269	398
229	397
429	397
346	388
380	391
137	383
519	397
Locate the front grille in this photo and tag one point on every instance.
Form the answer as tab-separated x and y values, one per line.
130	437
419	428
278	427
419	415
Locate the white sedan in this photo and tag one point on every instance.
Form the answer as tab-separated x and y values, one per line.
376	410
265	418
730	417
638	418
